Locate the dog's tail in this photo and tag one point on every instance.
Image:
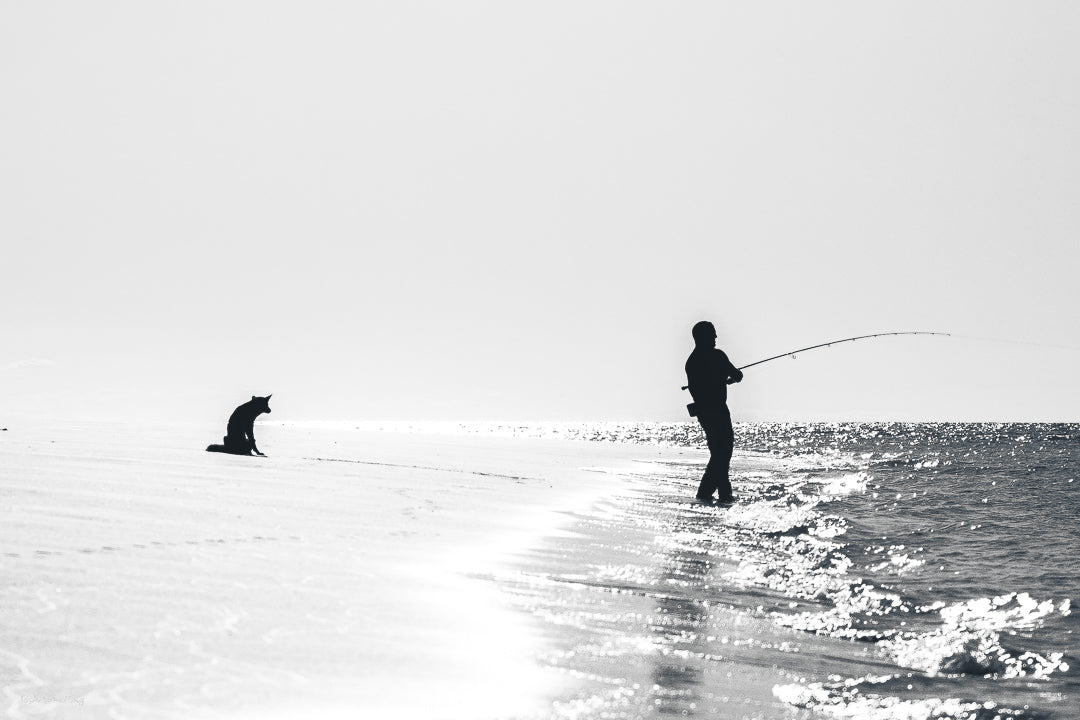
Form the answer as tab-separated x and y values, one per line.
219	448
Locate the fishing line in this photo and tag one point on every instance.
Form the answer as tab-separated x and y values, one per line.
1030	343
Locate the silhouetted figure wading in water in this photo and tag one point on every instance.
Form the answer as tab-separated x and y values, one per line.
708	373
240	433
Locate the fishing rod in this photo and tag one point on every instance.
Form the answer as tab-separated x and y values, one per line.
792	353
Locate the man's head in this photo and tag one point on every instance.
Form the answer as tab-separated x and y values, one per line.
704	334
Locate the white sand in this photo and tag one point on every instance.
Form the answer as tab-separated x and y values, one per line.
146	578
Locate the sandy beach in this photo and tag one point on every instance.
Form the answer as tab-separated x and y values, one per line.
349	573
475	571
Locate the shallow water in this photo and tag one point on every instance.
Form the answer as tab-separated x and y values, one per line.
867	570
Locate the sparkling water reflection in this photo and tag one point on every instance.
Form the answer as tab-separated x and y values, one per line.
883	571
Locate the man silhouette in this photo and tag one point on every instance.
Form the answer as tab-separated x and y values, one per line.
708	373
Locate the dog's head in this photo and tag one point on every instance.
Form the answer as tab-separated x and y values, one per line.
261	404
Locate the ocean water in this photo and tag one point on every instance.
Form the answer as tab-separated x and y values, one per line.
866	570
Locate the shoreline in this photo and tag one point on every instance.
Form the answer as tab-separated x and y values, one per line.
255	587
633	605
471	576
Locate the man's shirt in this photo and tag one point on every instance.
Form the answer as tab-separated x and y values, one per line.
707	373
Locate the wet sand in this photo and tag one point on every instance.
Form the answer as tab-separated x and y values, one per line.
347	572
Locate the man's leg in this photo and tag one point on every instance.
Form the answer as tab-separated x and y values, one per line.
725	447
708	481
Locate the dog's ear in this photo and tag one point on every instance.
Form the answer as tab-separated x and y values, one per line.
269	396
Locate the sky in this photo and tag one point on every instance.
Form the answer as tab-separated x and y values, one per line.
516	211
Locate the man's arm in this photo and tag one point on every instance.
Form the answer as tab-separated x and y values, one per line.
691	377
734	374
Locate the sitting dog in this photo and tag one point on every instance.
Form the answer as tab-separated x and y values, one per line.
240	433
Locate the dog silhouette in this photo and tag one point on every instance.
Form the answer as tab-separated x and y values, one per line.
240	433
